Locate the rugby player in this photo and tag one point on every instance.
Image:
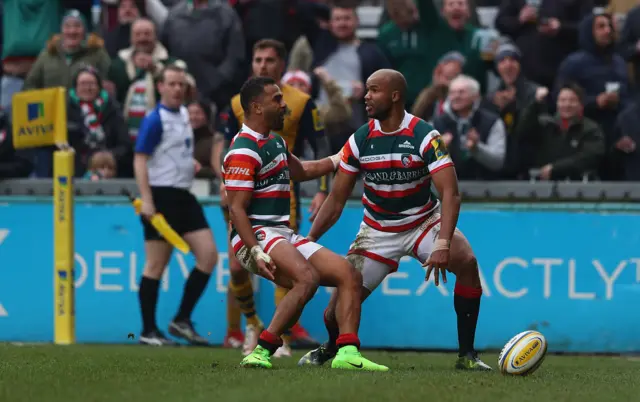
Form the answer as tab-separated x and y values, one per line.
164	169
257	172
399	156
302	124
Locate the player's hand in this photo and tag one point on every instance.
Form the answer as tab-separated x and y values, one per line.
316	204
266	267
148	209
437	263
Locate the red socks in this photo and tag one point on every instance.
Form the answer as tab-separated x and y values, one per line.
348	340
269	341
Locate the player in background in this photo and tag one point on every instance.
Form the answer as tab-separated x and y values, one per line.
257	172
302	124
164	169
399	155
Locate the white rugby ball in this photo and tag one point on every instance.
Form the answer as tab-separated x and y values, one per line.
523	354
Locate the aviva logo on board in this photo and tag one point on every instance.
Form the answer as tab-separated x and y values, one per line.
40	118
35	111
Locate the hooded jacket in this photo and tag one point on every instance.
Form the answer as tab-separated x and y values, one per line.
53	69
592	67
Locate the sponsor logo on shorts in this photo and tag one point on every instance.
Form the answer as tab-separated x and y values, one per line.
261	235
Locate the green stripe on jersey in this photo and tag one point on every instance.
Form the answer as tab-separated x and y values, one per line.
401	178
279	205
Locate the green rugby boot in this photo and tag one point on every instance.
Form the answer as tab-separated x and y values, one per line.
471	362
259	358
349	358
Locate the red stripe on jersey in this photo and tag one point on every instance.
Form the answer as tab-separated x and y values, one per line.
383	211
412	124
241	158
347	152
387	261
283	163
272	194
392	164
439	168
393	229
396	193
346	171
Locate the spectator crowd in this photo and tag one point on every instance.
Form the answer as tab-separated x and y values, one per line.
550	91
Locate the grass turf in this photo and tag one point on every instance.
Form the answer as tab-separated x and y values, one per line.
46	373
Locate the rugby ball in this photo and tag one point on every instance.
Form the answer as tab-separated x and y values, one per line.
523	354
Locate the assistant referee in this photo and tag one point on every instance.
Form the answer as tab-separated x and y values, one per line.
164	169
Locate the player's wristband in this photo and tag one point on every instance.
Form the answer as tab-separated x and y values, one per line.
335	159
441	244
258	254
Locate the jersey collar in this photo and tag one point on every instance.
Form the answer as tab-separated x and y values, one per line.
245	129
405	124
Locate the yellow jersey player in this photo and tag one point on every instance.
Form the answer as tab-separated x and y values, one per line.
302	124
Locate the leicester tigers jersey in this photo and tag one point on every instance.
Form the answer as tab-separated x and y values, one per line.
396	169
260	164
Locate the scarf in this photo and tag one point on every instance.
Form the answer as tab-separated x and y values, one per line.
92	112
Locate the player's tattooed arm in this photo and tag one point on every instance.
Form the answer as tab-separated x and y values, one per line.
238	202
446	183
309	170
331	210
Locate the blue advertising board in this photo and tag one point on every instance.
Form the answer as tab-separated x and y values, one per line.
573	276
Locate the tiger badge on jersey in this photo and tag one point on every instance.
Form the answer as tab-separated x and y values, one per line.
318	124
406	160
439	148
261	235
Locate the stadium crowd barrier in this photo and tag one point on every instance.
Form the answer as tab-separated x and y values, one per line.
555	257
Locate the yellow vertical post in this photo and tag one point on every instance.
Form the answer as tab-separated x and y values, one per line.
64	291
40	119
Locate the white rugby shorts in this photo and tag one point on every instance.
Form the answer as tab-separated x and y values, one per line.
376	254
268	237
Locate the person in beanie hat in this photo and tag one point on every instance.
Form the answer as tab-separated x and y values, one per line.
513	94
66	52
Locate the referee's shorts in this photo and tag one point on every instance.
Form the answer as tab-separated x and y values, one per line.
181	210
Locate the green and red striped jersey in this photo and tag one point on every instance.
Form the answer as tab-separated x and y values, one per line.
260	164
396	169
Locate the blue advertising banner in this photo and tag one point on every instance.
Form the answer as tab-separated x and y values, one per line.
573	276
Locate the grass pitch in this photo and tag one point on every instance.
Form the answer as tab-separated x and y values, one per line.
89	373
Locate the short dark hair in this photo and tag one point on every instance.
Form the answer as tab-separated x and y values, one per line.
575	88
276	45
253	88
170	67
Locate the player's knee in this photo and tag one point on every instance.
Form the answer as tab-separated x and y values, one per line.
353	278
208	261
308	282
234	266
468	269
153	269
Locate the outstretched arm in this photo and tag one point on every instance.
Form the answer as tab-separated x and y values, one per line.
332	208
309	170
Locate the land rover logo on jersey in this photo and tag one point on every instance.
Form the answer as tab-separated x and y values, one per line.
261	235
406	160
